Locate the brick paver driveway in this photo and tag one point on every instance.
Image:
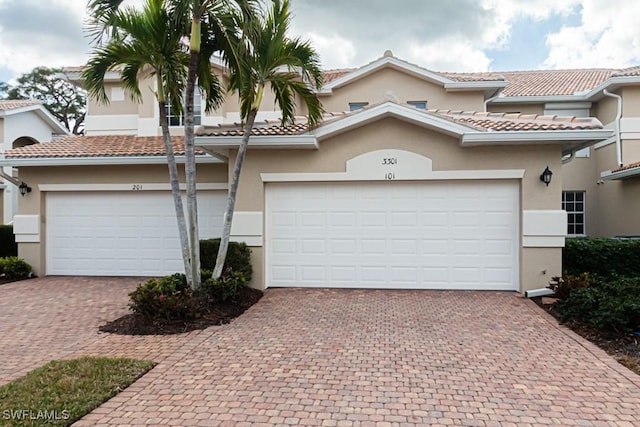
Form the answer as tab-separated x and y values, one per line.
331	357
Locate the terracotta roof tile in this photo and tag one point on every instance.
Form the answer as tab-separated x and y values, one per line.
473	77
13	104
331	75
627	167
263	128
99	146
553	82
517	122
627	72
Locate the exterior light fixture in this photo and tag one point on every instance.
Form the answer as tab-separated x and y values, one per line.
546	176
24	188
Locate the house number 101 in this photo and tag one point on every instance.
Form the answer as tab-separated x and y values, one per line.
390	175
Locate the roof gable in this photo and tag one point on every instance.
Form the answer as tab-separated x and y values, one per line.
19	106
340	78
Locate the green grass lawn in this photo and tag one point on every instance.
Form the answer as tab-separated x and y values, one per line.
63	391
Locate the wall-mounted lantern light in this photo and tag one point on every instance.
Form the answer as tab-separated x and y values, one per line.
546	176
24	188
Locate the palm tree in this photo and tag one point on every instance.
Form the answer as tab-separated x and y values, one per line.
212	23
149	41
263	55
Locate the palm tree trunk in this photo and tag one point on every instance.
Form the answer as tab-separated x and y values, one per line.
190	172
175	185
233	190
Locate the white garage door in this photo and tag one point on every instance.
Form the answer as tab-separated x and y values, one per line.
434	235
121	233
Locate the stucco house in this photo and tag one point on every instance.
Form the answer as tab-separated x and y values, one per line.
22	122
414	179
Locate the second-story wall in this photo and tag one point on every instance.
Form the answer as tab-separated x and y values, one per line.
390	83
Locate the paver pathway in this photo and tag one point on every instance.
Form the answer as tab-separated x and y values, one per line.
332	357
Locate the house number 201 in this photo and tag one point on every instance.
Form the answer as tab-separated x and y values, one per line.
136	187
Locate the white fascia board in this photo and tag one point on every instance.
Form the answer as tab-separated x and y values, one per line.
611	84
538	99
541	137
43	113
623	174
99	161
455	86
406	113
576	105
276	142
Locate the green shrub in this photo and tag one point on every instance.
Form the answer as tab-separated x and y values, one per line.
563	286
602	257
14	268
238	257
168	297
227	288
8	245
611	305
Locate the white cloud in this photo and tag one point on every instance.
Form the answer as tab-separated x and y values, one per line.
333	49
608	36
449	55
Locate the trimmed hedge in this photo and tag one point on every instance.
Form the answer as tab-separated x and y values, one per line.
602	257
238	257
8	245
14	268
611	305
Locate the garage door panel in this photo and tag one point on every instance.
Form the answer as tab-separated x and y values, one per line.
457	235
123	234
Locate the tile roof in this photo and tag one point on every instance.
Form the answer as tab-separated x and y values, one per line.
517	121
553	82
625	72
331	75
99	146
627	167
479	121
473	77
14	104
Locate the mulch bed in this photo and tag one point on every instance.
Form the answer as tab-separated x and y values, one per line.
625	348
220	314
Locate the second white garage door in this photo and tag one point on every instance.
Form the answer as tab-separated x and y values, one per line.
433	235
122	233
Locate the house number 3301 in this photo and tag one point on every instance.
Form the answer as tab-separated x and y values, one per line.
390	161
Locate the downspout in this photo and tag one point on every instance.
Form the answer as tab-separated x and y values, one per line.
9	178
618	117
572	155
487	101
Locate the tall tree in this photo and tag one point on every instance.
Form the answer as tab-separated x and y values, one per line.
148	41
212	23
65	101
263	55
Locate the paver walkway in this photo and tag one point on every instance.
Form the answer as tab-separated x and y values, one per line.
332	357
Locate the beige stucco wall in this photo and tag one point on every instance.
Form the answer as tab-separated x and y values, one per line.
605	110
630	101
630	151
446	155
376	86
617	202
35	202
517	108
127	106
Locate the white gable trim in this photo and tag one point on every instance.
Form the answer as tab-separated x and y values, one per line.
411	69
42	112
390	109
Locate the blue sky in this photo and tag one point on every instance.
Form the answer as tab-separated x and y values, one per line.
441	35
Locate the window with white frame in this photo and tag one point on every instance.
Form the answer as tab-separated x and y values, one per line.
422	105
574	203
353	106
176	118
